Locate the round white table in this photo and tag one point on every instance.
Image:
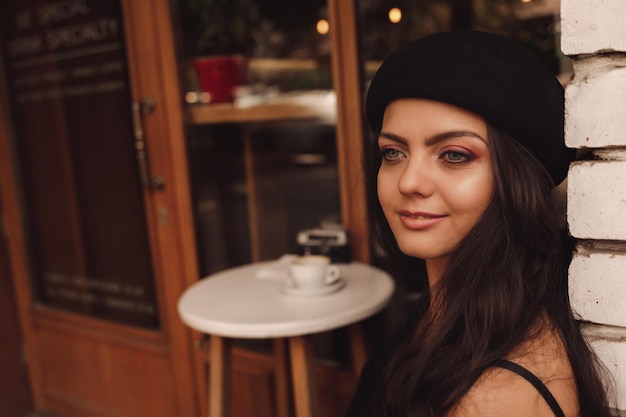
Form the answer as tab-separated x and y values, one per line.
251	302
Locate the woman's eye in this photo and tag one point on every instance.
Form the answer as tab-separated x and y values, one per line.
456	157
391	154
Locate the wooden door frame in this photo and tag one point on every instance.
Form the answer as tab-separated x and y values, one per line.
167	158
348	85
169	213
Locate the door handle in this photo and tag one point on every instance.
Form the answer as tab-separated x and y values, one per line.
140	108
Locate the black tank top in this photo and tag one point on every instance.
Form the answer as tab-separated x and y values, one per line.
536	382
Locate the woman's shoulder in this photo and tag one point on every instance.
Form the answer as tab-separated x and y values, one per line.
501	391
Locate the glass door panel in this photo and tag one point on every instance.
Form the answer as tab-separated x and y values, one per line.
66	71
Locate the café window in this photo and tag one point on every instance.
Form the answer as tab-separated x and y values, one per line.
261	126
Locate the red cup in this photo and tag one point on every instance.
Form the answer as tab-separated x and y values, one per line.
219	76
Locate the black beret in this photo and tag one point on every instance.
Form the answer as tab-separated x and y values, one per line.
487	74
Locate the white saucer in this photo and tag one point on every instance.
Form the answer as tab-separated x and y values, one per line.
287	287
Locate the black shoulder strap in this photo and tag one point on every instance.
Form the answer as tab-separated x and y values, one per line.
530	377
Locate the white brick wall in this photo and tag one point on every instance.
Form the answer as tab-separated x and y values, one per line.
600	82
596	198
591	26
594	36
610	347
598	286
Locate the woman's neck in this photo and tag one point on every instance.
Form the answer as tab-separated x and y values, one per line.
435	268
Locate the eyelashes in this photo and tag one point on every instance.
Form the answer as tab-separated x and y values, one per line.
457	157
450	157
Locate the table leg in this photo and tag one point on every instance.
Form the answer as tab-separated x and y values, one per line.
219	376
303	378
357	348
281	378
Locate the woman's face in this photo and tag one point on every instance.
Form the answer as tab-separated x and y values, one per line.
435	180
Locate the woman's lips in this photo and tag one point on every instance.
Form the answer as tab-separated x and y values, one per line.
419	220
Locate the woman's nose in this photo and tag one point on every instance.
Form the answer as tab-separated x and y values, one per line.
416	179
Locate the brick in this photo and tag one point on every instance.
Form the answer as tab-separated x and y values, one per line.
591	26
612	353
597	286
596	200
598	89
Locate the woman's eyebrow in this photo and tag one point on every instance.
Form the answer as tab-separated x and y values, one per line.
433	140
393	137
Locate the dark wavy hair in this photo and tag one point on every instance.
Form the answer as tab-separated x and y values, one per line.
504	275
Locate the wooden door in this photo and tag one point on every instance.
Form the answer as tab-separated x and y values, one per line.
94	179
14	396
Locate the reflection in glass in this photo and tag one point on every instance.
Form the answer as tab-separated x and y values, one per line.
261	131
385	29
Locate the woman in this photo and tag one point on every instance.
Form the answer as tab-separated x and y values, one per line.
470	142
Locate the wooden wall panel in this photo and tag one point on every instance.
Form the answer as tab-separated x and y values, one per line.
88	376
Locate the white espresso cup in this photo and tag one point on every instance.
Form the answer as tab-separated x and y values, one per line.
313	271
